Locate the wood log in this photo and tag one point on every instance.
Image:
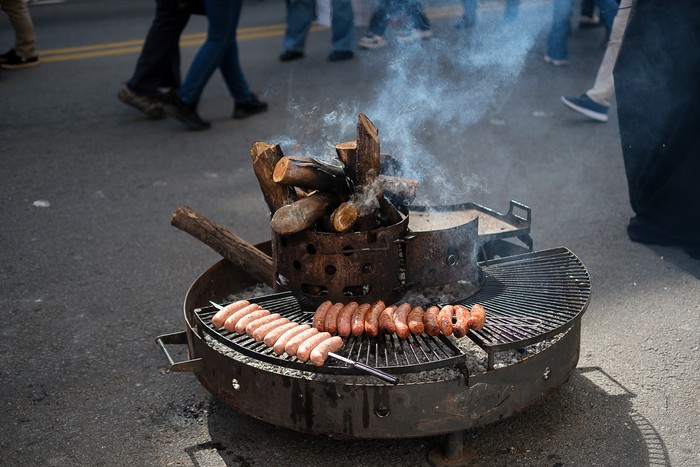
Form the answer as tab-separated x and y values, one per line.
226	243
389	164
344	216
265	156
366	165
389	214
307	172
303	213
346	152
399	190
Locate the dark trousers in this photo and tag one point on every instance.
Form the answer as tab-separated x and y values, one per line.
387	9
158	65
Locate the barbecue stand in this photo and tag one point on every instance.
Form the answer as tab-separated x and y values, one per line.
533	298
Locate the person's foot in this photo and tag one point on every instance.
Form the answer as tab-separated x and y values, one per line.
10	60
371	41
588	22
587	106
415	34
339	55
289	55
149	105
248	108
187	114
555	62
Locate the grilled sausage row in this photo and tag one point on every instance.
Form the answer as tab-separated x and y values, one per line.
355	319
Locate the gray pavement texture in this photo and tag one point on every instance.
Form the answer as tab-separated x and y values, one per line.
92	271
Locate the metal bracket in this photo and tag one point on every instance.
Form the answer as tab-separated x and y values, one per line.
177	338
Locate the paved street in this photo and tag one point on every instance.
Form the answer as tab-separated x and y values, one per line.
92	271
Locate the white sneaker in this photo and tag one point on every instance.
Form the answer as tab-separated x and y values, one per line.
415	34
555	62
371	41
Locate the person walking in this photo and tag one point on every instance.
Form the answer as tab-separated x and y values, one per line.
595	102
23	54
387	9
220	50
300	15
470	16
156	77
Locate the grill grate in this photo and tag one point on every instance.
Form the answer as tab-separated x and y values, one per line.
528	298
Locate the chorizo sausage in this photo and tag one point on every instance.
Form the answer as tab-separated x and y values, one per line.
283	340
345	319
372	318
430	321
478	317
386	320
256	323
220	317
272	336
415	321
305	348
294	343
231	321
445	319
461	319
401	320
358	320
252	316
331	322
262	331
320	315
319	354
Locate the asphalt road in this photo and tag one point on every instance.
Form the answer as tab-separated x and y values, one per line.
92	271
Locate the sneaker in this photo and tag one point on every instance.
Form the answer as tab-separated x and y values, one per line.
187	114
289	55
250	107
555	62
149	105
339	55
589	22
371	41
587	106
11	60
415	34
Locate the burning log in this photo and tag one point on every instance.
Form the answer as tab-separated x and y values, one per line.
307	172
303	213
226	243
398	189
344	216
265	156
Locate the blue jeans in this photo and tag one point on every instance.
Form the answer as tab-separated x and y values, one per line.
300	15
561	25
387	9
220	50
469	17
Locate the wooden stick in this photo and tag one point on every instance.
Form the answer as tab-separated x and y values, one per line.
303	213
265	156
366	164
226	243
307	172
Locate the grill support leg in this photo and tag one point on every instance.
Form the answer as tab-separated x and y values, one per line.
451	452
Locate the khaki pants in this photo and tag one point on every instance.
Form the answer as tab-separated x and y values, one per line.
25	38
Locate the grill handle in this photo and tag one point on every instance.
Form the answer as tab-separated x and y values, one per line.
177	338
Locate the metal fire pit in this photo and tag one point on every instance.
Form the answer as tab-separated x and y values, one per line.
529	298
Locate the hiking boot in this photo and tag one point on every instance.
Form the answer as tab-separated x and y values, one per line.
289	55
587	106
10	60
248	108
187	114
149	105
371	41
339	55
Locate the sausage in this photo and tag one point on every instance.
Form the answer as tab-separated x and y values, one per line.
445	319
478	317
220	317
358	319
415	321
319	354
345	317
282	341
231	321
430	321
294	343
272	336
320	315
401	320
243	322
260	333
256	323
462	317
331	322
372	318
386	320
305	348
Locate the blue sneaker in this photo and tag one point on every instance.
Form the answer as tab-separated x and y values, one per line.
586	106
